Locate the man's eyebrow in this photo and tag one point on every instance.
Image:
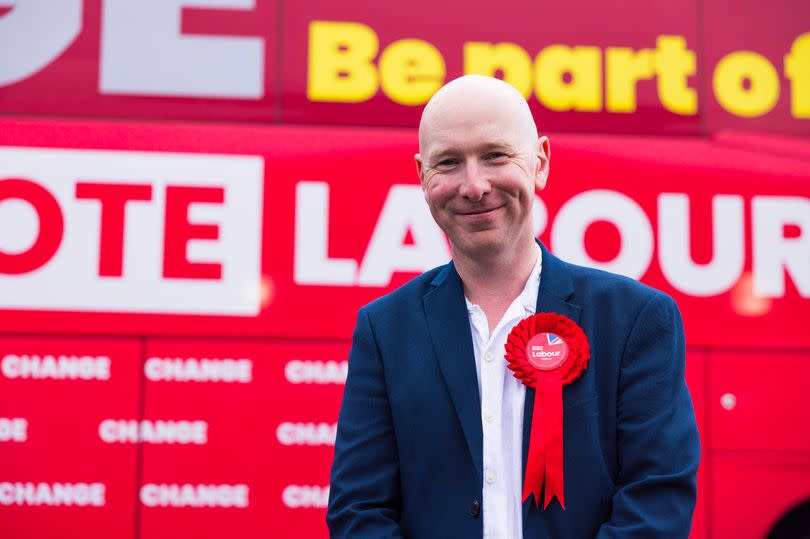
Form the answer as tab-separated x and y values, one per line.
497	145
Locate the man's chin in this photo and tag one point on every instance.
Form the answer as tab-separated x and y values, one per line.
481	244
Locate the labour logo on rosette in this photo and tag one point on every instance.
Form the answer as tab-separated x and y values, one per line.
546	351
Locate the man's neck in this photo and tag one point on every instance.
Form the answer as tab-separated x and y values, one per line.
493	282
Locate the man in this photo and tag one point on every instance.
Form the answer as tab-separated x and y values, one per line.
433	432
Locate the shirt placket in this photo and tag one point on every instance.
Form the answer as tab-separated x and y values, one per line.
515	313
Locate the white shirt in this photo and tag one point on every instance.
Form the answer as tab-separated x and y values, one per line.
502	397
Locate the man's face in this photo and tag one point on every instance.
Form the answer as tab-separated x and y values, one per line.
480	168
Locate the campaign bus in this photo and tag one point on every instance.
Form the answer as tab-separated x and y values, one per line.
197	197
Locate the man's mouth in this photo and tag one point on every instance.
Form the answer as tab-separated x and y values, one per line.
479	211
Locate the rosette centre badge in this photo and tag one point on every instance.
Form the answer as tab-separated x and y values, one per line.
546	351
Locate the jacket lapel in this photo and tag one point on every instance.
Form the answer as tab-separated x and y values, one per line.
449	328
556	288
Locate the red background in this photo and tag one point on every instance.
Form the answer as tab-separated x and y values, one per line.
361	150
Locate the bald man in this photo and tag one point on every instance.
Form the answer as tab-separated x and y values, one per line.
434	430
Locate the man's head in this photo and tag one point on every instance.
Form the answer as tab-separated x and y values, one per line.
480	162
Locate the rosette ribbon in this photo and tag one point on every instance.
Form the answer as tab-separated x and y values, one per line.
546	351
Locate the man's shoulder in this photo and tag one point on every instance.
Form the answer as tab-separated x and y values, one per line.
406	296
598	286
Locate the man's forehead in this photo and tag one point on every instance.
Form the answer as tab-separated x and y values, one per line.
471	133
487	113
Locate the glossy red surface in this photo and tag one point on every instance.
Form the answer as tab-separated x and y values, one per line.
626	181
258	62
62	443
321	212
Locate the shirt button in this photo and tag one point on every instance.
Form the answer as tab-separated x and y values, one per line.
488	356
490	477
489	416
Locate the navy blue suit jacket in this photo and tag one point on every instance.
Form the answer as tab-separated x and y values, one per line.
408	454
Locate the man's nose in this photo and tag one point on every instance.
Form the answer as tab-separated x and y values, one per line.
474	184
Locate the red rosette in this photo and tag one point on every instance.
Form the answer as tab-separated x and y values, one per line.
579	351
546	351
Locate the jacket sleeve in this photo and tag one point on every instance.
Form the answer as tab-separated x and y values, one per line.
364	499
658	444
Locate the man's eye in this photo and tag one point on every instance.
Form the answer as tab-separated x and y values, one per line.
494	155
447	163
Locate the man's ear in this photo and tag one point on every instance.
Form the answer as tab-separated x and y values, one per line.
419	169
543	163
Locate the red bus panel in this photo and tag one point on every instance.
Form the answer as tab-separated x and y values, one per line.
59	468
758	401
256	457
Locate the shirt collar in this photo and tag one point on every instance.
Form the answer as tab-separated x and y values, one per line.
528	297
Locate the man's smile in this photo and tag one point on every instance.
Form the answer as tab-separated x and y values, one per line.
478	212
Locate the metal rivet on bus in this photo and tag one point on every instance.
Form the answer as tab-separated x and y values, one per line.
728	401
